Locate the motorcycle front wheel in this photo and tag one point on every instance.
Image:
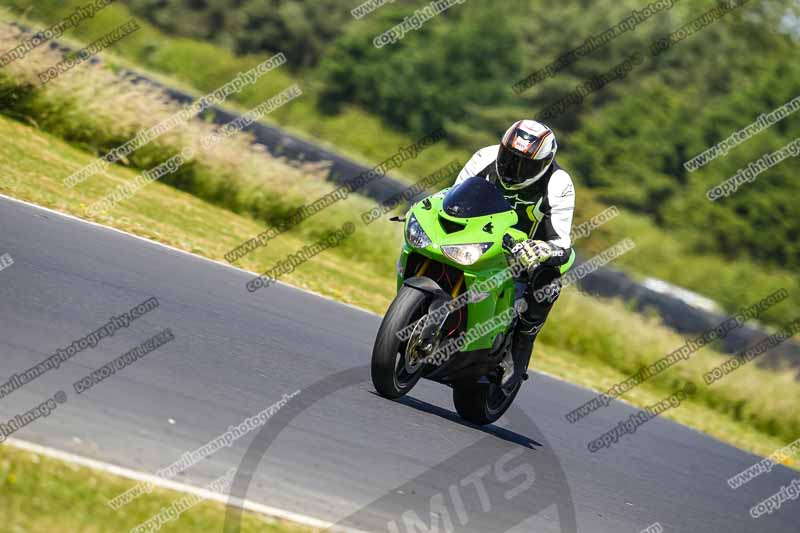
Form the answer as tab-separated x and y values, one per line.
393	373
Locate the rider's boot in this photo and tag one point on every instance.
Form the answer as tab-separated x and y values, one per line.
532	316
515	363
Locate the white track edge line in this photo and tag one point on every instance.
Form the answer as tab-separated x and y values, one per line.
169	247
121	471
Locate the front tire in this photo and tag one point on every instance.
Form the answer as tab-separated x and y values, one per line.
482	403
390	375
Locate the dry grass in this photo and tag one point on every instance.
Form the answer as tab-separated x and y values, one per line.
609	334
95	108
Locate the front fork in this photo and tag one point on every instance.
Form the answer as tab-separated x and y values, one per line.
431	334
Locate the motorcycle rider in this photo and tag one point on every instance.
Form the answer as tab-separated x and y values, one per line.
523	165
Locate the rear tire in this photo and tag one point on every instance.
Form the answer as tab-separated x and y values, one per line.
482	403
389	374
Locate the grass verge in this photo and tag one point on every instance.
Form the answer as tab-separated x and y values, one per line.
40	494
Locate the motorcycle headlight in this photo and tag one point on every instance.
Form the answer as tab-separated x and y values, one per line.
466	254
415	235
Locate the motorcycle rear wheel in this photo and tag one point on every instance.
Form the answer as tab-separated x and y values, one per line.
482	403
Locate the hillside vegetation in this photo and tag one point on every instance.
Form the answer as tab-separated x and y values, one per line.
629	141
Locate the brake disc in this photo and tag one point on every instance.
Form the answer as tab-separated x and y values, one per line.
413	359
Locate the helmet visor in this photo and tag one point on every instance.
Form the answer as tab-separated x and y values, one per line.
515	168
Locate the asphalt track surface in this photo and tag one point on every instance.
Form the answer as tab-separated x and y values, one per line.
336	451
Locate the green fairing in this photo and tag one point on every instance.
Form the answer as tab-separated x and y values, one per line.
491	263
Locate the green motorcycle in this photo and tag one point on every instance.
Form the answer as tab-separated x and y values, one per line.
458	301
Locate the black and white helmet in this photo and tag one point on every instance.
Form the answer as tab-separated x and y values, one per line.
526	152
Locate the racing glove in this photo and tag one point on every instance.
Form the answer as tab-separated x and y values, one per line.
531	253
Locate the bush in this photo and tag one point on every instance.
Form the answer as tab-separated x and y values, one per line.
301	30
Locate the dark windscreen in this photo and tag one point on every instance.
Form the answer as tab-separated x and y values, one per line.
474	197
